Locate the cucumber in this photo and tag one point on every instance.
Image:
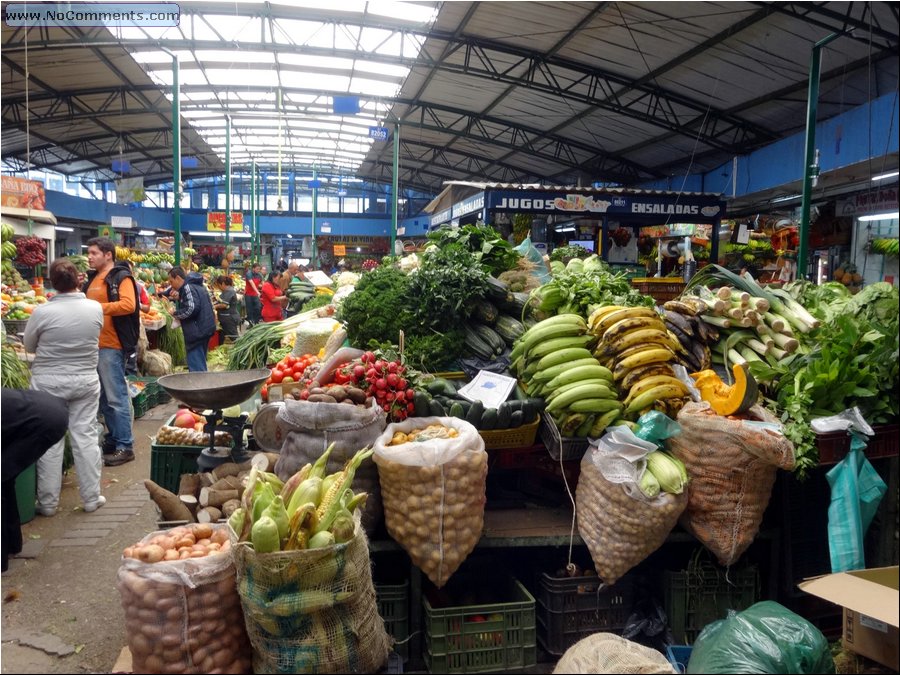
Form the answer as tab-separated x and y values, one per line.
516	419
489	419
435	409
474	415
440	386
421	402
457	411
445	401
529	410
519	394
503	414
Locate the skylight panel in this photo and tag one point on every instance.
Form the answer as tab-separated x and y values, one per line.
362	85
258	77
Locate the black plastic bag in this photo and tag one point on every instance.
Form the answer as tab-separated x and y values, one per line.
472	364
648	625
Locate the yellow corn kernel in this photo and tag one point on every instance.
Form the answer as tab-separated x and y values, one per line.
331	496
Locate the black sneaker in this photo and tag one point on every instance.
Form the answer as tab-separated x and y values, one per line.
118	457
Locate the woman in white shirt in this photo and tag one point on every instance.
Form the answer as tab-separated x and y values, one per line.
63	334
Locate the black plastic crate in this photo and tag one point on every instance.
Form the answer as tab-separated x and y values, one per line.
569	609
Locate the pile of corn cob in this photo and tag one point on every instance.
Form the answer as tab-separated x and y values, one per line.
309	510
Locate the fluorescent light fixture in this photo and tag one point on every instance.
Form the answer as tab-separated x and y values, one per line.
880	216
885	175
290	236
566	229
207	234
358	249
146	233
785	199
60	228
84	246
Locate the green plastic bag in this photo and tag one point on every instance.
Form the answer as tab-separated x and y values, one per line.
656	427
856	492
765	638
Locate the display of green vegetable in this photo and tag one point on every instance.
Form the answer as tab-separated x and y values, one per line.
14	373
488	248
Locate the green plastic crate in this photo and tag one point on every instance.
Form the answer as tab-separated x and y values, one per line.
168	462
139	403
700	595
504	641
150	391
393	606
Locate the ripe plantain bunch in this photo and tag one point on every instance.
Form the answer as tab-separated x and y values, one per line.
639	349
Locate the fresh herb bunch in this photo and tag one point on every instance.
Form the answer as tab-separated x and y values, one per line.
489	249
378	308
427	352
566	253
577	292
442	289
852	361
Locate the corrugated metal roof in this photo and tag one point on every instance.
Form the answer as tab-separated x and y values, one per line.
518	92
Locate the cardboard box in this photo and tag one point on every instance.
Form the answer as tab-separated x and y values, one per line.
871	602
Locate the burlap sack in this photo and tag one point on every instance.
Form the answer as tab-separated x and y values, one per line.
312	611
434	494
156	362
621	529
732	465
309	428
608	653
183	616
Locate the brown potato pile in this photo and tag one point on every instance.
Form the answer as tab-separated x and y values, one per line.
178	436
621	531
172	628
435	513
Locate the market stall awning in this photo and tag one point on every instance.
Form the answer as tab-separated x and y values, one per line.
12	214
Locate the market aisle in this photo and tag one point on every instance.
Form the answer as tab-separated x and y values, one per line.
61	611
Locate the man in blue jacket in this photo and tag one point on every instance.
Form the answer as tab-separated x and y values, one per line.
195	312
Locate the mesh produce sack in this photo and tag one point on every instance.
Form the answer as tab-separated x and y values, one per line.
608	653
312	611
183	616
156	362
620	524
434	493
309	428
732	464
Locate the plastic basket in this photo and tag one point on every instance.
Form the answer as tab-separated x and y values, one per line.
139	403
679	656
457	642
393	606
519	437
150	390
833	446
660	289
15	326
699	596
572	608
556	444
168	462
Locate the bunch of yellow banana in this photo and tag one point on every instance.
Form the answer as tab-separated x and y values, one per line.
122	253
635	344
553	361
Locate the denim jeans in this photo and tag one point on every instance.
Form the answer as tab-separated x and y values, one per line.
115	401
196	356
254	308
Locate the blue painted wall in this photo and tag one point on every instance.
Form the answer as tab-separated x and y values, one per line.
65	206
842	140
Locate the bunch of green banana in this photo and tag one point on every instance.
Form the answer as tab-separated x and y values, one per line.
7	232
635	344
889	247
309	510
9	250
683	321
553	361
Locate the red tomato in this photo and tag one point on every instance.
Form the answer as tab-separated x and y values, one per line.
264	392
298	372
277	375
288	378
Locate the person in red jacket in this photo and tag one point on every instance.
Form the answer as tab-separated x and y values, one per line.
273	299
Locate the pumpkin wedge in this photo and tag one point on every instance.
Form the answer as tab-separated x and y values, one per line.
724	399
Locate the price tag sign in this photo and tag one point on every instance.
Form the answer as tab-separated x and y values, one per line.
340	250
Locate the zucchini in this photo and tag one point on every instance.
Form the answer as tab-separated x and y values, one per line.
478	346
474	415
509	329
503	414
529	410
445	401
497	290
519	394
515	304
457	411
421	402
490	337
436	409
489	419
441	387
516	419
486	312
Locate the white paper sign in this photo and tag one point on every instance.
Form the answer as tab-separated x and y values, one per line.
489	388
318	278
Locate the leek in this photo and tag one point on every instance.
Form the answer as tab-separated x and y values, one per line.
719	321
757	346
776	323
748	354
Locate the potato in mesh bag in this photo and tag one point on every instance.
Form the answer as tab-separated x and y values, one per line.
434	494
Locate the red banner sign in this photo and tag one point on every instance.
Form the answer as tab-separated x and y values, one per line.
23	193
215	221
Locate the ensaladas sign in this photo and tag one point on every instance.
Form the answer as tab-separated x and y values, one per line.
699	208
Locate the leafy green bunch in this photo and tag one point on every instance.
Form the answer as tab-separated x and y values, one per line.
488	248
